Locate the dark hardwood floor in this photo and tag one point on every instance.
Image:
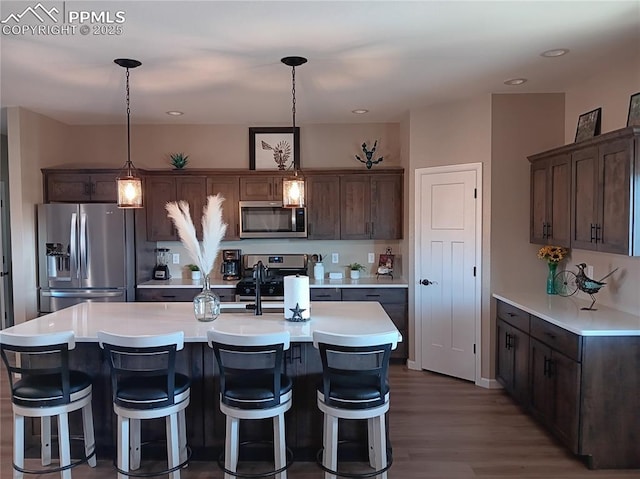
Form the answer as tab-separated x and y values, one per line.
440	428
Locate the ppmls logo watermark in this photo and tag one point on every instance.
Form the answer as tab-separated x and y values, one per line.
57	19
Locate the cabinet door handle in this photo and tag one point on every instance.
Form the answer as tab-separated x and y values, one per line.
544	230
598	236
550	335
507	340
593	236
545	369
372	226
549	231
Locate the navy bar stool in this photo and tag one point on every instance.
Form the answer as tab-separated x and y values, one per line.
43	386
253	386
145	386
354	386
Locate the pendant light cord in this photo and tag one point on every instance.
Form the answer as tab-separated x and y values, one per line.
128	129
293	111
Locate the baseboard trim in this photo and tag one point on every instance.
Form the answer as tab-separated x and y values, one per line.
413	365
488	383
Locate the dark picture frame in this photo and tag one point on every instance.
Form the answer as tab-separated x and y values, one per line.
633	117
588	125
269	144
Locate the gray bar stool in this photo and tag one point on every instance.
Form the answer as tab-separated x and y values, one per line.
145	386
354	386
43	386
253	386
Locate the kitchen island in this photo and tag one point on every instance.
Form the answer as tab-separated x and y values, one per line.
205	423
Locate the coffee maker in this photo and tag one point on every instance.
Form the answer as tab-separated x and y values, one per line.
161	269
230	264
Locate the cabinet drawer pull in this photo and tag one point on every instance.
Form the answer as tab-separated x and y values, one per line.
323	295
511	315
168	296
550	335
373	295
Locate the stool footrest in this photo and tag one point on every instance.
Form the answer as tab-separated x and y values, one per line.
257	475
154	473
48	470
353	475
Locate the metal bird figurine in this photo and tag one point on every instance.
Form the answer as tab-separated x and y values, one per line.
369	162
588	285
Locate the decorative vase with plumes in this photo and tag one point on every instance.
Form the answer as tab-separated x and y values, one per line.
206	304
551	275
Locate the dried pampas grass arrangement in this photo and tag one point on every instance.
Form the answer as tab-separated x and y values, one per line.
213	230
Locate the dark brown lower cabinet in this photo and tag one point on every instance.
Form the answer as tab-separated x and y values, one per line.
180	294
584	389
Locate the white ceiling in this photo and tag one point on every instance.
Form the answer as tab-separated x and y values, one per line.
219	62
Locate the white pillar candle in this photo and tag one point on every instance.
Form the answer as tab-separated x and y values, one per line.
296	298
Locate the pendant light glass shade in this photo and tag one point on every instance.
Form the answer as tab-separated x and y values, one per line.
293	192
129	184
293	188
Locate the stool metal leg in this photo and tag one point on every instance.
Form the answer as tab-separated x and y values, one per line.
123	446
279	445
173	452
89	436
45	440
134	444
64	444
371	442
18	444
231	446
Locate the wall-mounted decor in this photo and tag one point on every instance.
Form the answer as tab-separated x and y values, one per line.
274	148
368	154
633	118
588	125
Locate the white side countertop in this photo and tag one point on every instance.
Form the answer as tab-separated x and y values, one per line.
566	313
370	282
86	319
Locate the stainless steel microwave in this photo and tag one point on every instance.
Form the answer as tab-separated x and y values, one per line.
269	219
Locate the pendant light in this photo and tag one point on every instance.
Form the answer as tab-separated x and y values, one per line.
129	183
293	188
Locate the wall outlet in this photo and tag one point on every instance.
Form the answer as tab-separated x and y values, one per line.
372	258
589	271
335	258
176	258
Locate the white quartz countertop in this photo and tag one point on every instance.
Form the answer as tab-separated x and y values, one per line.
565	312
370	282
86	319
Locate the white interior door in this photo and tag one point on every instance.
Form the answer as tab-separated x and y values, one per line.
447	253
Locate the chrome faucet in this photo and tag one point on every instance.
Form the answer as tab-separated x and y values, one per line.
259	273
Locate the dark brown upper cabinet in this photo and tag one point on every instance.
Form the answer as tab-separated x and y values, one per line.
79	186
323	206
228	187
261	188
603	186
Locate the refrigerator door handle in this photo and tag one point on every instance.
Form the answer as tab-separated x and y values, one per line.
73	245
82	294
83	246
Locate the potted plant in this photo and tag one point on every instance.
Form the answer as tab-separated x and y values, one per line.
355	270
179	160
196	275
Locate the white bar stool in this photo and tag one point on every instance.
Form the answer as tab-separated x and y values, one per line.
43	386
253	386
145	386
354	386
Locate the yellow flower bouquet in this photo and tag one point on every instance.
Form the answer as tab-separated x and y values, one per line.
552	254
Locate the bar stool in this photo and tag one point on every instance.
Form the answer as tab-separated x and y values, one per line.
354	386
253	386
42	385
145	386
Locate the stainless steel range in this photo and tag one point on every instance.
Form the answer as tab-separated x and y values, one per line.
277	266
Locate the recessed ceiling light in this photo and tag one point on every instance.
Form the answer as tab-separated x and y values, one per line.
175	113
515	81
360	111
557	52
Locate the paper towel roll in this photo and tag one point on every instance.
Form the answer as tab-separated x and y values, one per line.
296	298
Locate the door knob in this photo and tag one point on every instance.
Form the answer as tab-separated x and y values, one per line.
426	282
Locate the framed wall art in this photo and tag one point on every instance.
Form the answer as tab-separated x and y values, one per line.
633	117
274	148
588	125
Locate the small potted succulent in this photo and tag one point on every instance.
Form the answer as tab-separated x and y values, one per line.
355	270
196	275
179	160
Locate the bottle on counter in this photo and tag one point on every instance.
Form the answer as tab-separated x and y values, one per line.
318	271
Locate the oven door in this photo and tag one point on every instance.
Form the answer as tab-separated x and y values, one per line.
269	219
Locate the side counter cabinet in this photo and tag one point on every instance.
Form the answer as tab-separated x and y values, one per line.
583	389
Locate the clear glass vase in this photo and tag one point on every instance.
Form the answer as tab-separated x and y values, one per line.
206	304
551	276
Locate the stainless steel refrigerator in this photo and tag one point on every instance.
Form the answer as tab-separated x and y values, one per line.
86	252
